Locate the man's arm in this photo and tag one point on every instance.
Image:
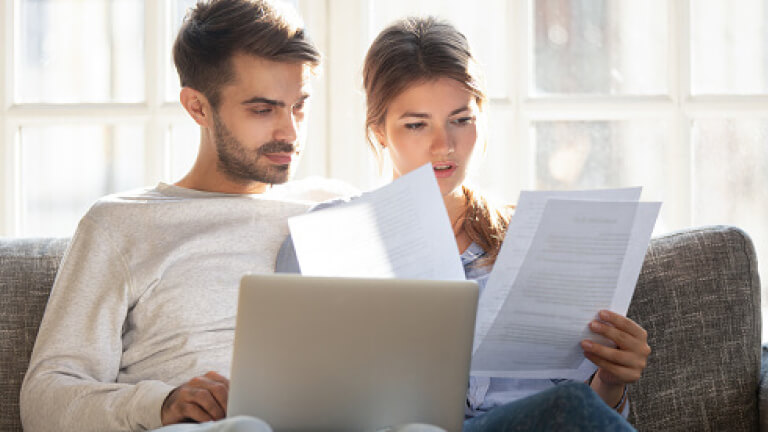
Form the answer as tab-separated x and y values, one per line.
71	380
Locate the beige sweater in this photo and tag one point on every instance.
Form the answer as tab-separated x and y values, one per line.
144	300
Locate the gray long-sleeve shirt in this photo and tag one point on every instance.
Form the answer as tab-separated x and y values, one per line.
144	300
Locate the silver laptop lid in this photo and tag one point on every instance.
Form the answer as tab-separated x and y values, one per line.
350	354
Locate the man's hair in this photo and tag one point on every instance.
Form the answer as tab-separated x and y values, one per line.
215	30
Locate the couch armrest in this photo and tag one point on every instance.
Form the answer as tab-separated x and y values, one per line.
698	296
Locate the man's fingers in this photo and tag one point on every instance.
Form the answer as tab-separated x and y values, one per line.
202	398
218	387
624	324
193	411
212	375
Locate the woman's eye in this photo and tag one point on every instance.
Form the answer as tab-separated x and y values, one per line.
463	121
415	126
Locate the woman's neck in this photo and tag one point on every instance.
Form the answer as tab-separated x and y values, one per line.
456	206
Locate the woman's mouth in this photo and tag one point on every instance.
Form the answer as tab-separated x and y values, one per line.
443	169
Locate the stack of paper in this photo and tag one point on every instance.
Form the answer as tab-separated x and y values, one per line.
400	231
566	255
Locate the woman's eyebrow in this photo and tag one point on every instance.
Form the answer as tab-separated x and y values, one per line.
415	114
425	115
458	110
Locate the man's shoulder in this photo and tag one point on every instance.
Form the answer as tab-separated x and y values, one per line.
314	190
124	201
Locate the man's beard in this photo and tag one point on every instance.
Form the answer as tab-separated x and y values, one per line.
242	165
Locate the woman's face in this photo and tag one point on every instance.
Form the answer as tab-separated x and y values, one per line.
433	122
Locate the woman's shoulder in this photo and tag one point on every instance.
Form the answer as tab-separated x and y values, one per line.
334	202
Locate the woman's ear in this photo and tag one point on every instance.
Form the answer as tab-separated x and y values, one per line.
378	133
197	106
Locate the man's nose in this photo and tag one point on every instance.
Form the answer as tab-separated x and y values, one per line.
287	127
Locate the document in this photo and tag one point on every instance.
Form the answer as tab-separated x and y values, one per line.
562	261
519	237
400	230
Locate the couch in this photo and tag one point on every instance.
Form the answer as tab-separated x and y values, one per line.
698	296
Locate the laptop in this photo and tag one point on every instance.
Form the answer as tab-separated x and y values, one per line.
352	354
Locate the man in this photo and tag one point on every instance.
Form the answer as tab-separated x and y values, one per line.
139	327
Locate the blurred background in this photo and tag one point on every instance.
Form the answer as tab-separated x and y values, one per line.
671	95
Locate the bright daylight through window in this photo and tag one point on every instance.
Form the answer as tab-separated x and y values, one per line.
671	95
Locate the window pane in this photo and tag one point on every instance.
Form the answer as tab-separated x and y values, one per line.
608	154
182	149
600	47
730	177
178	12
729	46
491	48
79	51
494	166
64	169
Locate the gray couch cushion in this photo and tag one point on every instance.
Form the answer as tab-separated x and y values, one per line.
699	298
27	270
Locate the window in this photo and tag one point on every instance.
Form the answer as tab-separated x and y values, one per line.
668	94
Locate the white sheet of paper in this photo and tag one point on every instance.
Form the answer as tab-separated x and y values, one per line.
522	228
585	256
400	230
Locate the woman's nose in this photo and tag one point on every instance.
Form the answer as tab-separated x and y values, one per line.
441	143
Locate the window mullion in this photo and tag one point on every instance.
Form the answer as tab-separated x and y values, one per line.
681	191
155	21
315	160
7	160
343	66
526	150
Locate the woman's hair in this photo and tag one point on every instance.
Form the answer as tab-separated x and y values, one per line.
416	50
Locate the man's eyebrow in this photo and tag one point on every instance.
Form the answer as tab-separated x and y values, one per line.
263	100
273	102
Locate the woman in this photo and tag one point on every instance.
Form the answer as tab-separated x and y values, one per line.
424	105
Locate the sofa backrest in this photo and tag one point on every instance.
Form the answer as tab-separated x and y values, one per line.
27	270
698	296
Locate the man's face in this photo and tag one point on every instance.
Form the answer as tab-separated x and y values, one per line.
259	123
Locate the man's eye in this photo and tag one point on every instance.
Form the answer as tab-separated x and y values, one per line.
299	106
415	126
261	111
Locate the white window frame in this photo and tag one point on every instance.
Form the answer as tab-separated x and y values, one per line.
679	107
336	144
156	114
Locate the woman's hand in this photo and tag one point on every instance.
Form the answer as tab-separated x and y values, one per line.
621	365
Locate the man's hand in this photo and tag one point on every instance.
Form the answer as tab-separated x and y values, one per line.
618	366
200	399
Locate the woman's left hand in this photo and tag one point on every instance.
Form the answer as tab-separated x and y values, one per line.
625	363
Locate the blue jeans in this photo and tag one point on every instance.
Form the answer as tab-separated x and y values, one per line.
566	407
